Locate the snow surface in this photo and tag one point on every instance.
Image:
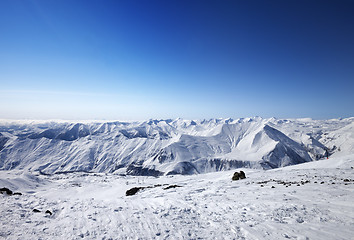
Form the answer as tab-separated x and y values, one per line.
80	172
309	201
163	147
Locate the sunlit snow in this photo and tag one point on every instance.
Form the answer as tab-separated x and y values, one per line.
44	161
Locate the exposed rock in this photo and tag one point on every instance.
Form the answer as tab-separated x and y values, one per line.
171	186
141	171
5	190
238	175
48	212
133	191
36	210
242	175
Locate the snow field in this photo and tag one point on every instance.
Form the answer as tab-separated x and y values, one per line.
307	201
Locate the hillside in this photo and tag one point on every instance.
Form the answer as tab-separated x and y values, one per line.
163	147
306	201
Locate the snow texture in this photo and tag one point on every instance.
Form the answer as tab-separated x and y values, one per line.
306	201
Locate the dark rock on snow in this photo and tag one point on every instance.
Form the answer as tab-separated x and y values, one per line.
171	186
133	191
5	190
48	212
238	175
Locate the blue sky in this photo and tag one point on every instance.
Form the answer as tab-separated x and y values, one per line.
145	59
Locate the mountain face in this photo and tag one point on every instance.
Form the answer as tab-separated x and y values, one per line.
161	147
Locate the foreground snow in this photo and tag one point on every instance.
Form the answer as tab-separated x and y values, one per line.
309	201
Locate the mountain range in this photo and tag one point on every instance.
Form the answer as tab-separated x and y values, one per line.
164	147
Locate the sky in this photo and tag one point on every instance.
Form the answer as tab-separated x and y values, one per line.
143	59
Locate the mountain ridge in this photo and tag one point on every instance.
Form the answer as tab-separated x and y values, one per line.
161	147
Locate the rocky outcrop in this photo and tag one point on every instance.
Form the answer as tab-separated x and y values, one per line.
238	176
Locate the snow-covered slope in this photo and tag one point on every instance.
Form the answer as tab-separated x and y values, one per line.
341	140
307	201
159	147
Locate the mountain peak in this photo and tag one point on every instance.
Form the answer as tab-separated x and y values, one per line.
170	146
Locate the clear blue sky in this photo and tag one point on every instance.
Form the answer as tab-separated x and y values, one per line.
166	59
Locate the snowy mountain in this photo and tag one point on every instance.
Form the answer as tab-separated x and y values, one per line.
311	200
163	147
